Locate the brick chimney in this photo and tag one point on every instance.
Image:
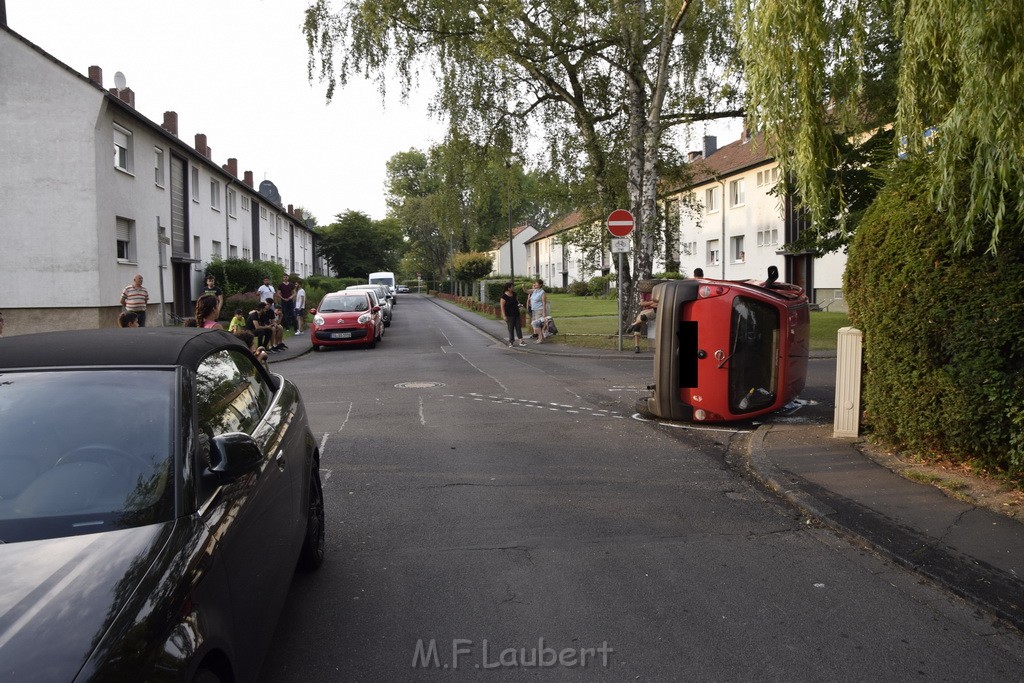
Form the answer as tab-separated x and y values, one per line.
248	178
96	75
291	211
170	123
127	96
233	167
201	144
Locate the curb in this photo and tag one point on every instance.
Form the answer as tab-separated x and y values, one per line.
971	579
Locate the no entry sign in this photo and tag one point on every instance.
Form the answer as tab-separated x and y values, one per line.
620	223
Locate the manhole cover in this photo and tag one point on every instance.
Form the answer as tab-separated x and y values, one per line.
419	385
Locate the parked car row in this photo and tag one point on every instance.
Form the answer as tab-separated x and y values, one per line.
356	316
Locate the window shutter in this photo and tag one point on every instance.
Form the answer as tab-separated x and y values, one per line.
124	230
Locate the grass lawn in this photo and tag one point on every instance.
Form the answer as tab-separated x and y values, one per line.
590	323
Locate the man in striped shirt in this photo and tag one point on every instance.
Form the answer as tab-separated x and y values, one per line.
134	298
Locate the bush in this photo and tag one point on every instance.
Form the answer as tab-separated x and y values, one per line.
332	284
238	275
942	331
599	285
246	301
579	288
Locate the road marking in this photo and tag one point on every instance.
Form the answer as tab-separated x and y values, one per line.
534	403
346	416
323	442
695	428
492	377
423	419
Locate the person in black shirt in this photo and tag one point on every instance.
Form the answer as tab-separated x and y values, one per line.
212	289
510	314
254	322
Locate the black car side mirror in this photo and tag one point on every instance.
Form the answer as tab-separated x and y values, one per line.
233	455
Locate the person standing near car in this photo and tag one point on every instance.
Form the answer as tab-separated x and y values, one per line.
538	309
510	314
300	306
287	302
135	298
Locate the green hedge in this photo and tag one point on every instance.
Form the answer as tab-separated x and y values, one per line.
238	275
943	331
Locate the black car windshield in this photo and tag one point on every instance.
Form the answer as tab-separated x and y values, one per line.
343	304
84	451
754	358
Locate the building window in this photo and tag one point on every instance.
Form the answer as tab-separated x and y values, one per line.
158	167
263	212
197	254
736	246
737	193
231	203
245	203
246	253
195	184
214	194
768	177
125	240
233	251
215	250
767	237
714	253
689	248
123	149
710	200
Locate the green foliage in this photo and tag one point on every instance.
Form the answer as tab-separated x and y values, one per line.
579	288
471	266
239	275
356	245
820	76
943	342
332	284
246	301
668	276
600	285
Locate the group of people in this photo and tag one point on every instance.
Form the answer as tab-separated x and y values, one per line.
262	329
537	308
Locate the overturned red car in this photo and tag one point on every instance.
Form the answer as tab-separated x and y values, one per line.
727	350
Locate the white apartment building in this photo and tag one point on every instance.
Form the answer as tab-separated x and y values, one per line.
559	263
729	223
93	192
507	255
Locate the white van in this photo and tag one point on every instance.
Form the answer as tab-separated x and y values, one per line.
386	279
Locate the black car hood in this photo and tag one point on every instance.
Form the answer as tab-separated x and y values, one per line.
59	596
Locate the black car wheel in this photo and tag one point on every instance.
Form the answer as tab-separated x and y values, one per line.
312	555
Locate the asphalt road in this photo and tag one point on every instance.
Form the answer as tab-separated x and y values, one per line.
499	513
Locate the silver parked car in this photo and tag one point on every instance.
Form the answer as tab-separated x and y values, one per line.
384	297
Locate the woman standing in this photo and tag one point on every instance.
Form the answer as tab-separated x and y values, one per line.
207	311
510	314
538	308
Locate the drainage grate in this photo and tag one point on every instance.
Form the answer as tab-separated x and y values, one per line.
418	385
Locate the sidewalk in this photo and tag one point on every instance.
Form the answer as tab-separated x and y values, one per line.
973	552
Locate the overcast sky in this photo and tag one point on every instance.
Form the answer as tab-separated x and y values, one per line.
236	71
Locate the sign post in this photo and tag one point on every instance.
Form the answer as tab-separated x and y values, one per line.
620	224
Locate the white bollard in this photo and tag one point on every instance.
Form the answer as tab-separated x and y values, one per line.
848	379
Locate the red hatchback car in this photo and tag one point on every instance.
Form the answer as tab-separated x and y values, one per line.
727	350
345	319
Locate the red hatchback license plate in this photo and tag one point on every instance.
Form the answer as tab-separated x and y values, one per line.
341	335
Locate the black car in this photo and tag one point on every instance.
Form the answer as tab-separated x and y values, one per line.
158	488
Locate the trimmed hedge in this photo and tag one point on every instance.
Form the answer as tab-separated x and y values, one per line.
943	331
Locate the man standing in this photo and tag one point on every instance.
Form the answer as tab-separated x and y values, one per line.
135	298
287	290
266	290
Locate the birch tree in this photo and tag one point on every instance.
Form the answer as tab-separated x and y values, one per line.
598	81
